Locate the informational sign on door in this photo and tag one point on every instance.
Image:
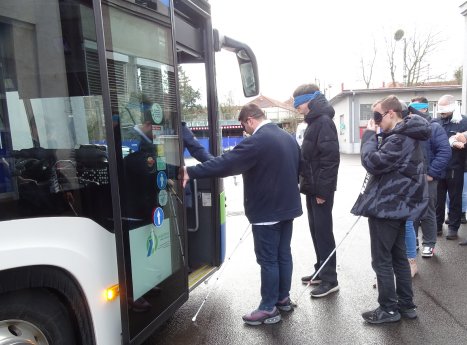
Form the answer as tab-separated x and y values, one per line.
151	258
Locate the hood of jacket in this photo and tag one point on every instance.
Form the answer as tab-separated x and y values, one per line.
413	126
319	107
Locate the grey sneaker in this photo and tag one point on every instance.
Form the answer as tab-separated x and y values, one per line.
324	289
452	235
410	313
258	317
378	316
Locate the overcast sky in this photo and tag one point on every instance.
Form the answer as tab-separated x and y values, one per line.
300	41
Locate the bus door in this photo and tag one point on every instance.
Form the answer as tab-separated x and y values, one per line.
196	43
204	198
143	102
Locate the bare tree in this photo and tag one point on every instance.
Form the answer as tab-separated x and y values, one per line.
417	49
390	54
367	67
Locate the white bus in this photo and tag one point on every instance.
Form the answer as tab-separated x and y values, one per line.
96	244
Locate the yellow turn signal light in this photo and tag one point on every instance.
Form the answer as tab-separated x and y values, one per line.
112	293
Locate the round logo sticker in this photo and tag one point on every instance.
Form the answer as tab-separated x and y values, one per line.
163	197
156	113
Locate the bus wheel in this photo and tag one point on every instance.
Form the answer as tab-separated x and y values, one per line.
34	317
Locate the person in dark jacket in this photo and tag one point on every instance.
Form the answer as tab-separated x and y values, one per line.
318	180
269	161
437	154
193	146
395	191
198	152
452	122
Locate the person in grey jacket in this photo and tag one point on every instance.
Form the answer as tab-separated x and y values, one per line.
269	161
396	191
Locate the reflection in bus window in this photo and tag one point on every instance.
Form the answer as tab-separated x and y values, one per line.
53	149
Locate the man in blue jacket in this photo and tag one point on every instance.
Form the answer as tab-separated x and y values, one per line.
437	153
269	161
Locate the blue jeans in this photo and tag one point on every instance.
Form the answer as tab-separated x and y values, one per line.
273	254
410	240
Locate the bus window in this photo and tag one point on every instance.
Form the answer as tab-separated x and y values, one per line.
53	154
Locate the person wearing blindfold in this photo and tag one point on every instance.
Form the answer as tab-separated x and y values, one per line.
396	191
318	181
452	184
437	153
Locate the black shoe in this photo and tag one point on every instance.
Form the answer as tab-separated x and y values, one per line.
447	221
324	289
440	230
410	313
306	280
452	235
380	316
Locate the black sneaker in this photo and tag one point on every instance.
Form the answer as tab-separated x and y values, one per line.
378	316
410	313
306	280
324	289
451	235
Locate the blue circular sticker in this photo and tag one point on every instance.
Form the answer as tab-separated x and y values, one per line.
158	217
161	180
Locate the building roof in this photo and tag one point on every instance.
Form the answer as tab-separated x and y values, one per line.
267	102
395	90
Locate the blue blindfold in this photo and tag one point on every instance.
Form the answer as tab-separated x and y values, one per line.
299	100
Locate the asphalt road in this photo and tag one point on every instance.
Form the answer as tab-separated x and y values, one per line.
440	288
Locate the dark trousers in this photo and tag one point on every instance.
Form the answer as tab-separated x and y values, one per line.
273	254
389	259
452	184
320	222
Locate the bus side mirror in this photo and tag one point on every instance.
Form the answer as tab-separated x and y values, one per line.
246	61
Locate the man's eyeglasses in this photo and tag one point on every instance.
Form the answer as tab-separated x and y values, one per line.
378	117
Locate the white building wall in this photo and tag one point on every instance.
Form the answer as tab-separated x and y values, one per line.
349	136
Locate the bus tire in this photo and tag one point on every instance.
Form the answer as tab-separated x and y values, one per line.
34	316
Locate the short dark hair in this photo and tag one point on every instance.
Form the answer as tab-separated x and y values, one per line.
250	110
305	89
391	103
419	99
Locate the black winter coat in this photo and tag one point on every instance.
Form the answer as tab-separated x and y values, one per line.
320	151
397	188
